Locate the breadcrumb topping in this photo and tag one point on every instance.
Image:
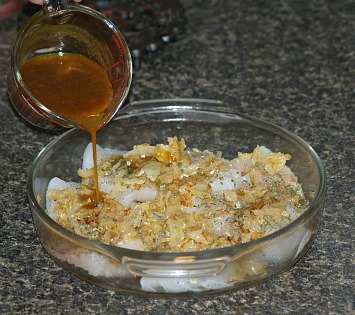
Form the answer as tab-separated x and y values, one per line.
166	198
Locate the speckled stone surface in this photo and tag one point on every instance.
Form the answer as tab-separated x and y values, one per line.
289	62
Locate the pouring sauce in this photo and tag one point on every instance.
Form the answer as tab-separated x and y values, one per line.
73	87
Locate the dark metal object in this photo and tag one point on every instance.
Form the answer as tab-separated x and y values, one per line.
147	25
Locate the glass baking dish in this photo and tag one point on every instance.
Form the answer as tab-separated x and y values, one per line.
205	124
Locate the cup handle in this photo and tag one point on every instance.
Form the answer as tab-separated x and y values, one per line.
55	5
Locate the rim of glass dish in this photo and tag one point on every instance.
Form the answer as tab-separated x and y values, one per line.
197	105
74	6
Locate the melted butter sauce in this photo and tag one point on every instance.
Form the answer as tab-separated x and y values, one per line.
73	87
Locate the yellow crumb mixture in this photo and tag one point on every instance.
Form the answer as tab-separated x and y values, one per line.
167	198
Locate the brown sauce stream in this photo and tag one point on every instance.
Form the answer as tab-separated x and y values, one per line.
73	87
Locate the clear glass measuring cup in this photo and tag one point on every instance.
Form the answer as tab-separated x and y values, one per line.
68	27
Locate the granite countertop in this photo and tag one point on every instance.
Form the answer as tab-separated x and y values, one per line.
289	62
